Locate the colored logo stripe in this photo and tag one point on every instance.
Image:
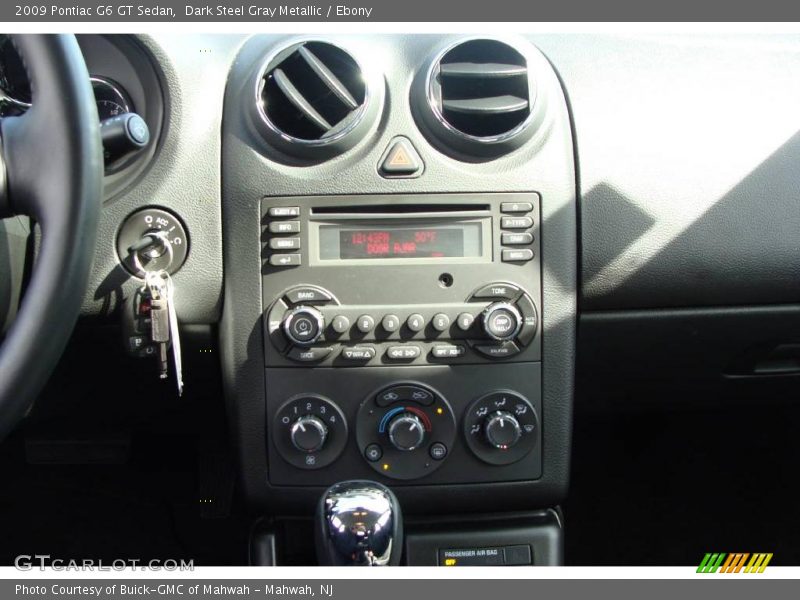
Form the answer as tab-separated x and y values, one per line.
734	562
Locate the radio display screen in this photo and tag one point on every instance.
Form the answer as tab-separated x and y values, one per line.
364	242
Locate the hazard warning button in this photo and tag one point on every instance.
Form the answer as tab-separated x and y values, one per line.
400	159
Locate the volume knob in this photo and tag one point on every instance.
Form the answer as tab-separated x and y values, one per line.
303	325
502	321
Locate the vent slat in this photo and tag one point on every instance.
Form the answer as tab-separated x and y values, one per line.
486	106
328	78
480	70
298	100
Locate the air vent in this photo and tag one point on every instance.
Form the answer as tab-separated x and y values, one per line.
479	98
312	95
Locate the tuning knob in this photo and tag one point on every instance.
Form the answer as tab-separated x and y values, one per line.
502	430
303	325
308	433
406	431
501	321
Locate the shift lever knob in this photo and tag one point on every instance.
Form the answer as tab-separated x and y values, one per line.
358	523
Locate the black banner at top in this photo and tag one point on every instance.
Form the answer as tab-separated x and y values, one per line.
441	11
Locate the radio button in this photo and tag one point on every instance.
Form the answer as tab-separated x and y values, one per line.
516	222
448	351
365	323
340	324
403	352
307	294
390	323
503	350
314	354
284	227
516	207
285	260
284	211
440	322
289	243
359	353
506	291
516	239
522	255
415	322
465	321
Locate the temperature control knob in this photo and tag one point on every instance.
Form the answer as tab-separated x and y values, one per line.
406	431
502	430
303	325
308	433
501	321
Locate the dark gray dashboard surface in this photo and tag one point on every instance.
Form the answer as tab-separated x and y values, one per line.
688	156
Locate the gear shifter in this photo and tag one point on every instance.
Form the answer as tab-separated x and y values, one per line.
358	523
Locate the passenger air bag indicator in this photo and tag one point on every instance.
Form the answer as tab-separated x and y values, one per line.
486	557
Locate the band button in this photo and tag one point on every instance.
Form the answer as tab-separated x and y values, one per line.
307	295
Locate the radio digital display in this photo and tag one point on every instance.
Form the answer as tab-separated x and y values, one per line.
425	241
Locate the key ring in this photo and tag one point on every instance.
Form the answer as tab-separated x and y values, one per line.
137	261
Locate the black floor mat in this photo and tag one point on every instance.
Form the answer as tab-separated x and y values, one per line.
664	488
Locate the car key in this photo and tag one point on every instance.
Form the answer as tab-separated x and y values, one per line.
159	319
173	328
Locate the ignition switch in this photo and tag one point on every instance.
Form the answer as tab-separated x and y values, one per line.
152	239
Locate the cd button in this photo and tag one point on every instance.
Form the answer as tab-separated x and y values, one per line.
448	351
516	207
403	352
360	353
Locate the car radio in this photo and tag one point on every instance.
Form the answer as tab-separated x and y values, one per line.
398	280
402	337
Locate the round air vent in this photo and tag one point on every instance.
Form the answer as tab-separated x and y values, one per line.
477	99
313	100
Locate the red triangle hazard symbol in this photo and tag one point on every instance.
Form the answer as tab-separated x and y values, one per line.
400	158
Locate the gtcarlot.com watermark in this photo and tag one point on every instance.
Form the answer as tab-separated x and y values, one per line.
42	562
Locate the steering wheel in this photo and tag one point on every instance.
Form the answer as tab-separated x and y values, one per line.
51	169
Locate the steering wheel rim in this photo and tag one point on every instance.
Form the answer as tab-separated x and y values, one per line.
52	170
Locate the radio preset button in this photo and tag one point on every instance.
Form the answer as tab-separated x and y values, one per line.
289	243
340	324
503	350
365	323
465	321
516	222
284	211
521	255
359	353
506	291
415	322
284	227
390	323
448	351
516	207
516	239
440	322
403	352
307	294
314	354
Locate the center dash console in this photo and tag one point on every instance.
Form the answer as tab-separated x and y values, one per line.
402	338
